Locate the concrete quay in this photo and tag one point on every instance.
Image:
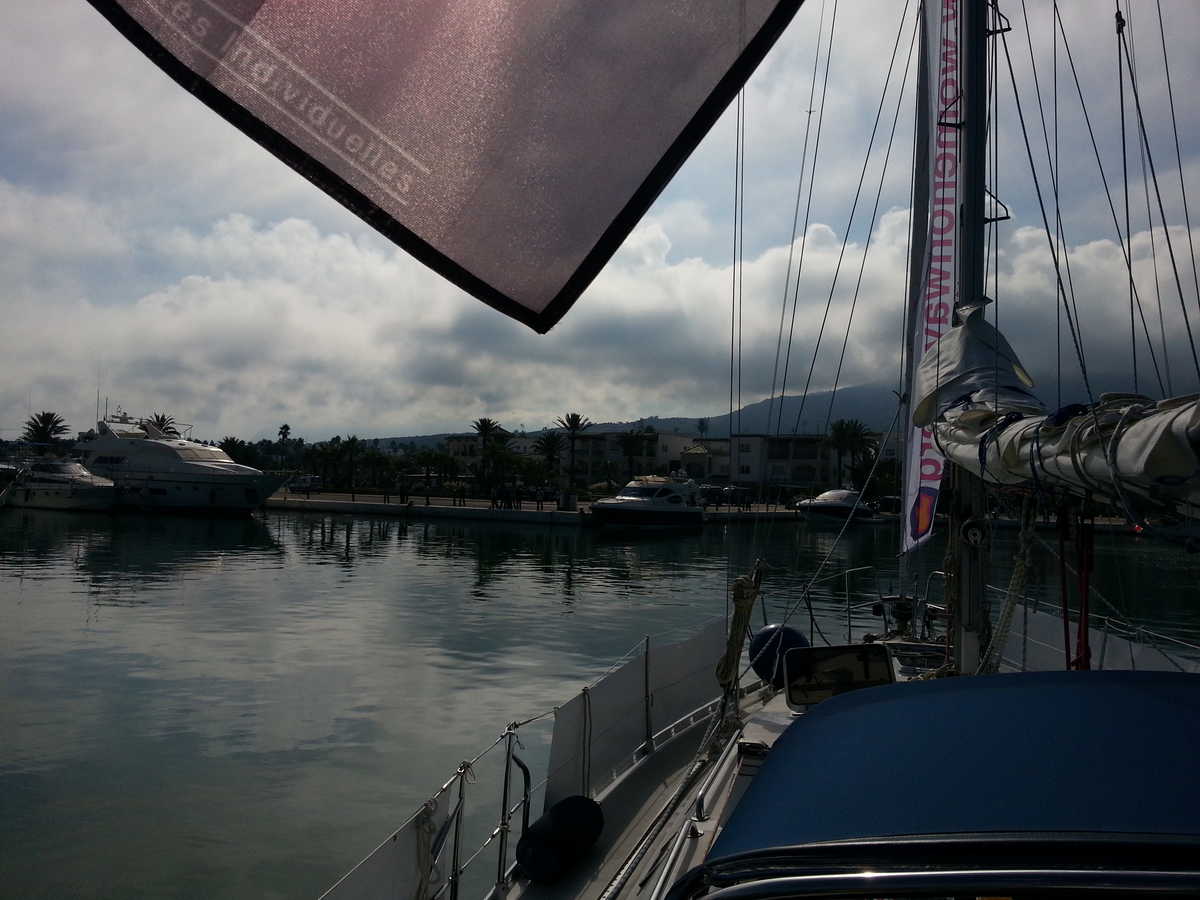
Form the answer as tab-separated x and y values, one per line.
480	510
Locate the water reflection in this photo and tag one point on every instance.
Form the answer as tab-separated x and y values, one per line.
121	559
202	707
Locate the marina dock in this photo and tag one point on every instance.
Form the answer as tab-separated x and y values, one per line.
481	510
433	507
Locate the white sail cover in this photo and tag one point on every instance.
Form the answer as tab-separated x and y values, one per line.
1130	449
936	236
509	145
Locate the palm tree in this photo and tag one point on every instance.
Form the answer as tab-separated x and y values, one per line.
428	460
351	445
164	423
548	446
499	457
334	453
239	451
848	437
633	444
285	431
44	428
487	430
573	424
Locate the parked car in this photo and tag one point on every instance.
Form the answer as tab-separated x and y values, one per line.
305	483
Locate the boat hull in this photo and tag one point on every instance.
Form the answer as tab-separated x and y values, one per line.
82	499
184	493
836	513
628	518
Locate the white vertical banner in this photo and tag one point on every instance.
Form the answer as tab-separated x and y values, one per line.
936	228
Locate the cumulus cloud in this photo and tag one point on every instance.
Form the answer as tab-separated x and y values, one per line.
148	249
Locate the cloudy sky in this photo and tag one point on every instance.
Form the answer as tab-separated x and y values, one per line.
149	250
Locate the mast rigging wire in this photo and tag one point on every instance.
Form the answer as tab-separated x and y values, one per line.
806	594
1128	239
1162	330
1052	163
1137	103
787	278
1054	179
733	300
807	218
1178	156
1058	278
871	227
1103	179
850	220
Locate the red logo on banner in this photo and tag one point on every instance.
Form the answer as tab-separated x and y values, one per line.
920	519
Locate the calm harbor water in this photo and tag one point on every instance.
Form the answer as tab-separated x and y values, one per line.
243	708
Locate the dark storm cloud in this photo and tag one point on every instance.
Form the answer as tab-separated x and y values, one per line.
147	246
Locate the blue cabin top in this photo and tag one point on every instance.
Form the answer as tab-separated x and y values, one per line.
1047	752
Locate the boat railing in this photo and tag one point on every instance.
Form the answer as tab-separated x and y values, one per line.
846	573
1035	640
830	596
728	755
656	694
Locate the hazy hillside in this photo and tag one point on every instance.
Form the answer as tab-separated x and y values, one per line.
873	404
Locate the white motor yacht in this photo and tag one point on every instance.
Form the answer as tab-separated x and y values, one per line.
56	484
655	502
836	505
154	470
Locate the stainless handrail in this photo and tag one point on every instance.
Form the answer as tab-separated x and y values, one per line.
502	828
663	881
722	760
846	574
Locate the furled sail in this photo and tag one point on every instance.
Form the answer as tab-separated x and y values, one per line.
1130	449
511	146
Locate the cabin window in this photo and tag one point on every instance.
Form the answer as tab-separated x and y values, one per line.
636	492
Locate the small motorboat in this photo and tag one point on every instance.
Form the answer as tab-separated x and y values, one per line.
836	505
652	502
57	484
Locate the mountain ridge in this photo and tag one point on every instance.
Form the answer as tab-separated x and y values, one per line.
873	404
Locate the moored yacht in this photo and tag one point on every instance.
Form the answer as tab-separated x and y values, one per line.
654	502
836	505
154	470
56	484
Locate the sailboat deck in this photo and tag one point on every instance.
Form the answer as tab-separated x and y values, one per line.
629	809
633	805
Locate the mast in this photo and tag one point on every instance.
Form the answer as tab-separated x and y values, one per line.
968	519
